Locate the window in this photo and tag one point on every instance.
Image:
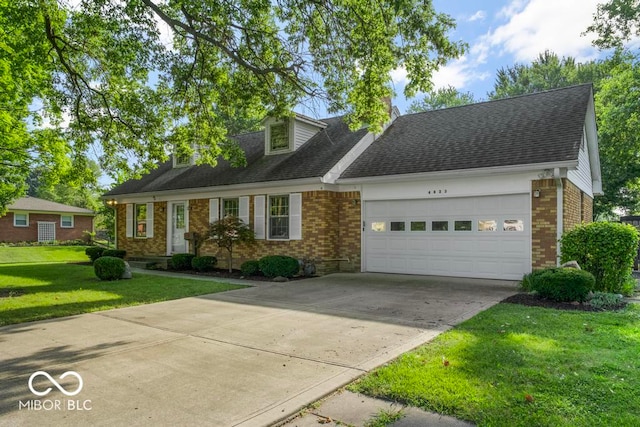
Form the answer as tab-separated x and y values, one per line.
462	225
66	221
418	226
439	225
279	136
487	225
278	217
396	226
378	227
513	225
141	220
182	159
20	219
231	207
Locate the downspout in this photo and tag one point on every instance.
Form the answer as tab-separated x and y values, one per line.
559	210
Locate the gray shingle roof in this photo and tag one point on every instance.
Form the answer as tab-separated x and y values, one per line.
33	204
537	128
314	159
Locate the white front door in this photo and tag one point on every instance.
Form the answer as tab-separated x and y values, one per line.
178	228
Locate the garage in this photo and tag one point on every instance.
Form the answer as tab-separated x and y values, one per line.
484	236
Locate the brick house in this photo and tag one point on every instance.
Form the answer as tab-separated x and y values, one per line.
483	190
30	219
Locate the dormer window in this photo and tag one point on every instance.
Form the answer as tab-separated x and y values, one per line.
279	136
183	160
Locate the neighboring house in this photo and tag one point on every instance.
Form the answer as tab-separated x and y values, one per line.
483	190
30	219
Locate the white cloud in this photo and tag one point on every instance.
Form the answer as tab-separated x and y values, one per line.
478	16
540	25
459	74
399	75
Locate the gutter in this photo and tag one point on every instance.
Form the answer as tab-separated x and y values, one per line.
560	211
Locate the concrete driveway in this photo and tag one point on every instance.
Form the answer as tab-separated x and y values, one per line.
247	357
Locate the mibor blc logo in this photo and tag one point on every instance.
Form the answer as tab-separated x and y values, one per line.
55	404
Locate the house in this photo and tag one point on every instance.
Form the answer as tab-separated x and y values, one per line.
483	190
30	219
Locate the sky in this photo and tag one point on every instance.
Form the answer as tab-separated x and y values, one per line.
501	33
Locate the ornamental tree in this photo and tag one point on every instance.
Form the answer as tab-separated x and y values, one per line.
228	231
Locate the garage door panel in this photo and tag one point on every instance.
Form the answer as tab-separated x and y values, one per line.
491	254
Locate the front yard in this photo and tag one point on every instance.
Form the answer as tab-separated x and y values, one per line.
524	366
37	289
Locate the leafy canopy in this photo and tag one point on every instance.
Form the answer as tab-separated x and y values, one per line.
615	22
442	98
133	81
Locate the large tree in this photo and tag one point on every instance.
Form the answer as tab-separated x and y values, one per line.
441	98
615	81
616	22
133	80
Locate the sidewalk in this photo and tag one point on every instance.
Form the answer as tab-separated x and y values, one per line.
352	409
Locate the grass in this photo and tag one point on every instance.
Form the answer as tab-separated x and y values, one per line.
524	366
384	417
34	254
42	291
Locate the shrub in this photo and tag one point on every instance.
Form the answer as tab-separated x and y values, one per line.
118	253
181	261
204	263
279	265
109	268
605	249
605	301
250	268
528	280
563	284
94	252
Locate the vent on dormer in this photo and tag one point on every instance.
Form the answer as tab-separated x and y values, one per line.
289	134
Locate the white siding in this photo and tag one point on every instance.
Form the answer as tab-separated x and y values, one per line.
302	133
581	177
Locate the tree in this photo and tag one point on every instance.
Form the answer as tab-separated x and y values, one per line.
441	98
133	81
615	22
615	81
228	231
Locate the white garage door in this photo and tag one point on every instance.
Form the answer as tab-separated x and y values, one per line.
487	237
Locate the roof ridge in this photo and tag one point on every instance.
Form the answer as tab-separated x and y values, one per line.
489	101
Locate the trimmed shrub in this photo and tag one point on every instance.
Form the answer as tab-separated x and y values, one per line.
204	263
181	261
606	250
250	268
94	252
528	280
279	265
109	268
563	284
118	253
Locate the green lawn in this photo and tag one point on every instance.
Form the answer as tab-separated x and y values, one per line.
524	366
42	291
13	255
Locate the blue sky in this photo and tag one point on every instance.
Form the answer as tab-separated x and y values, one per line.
501	33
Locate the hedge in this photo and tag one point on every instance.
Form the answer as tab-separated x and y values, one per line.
279	265
118	253
563	284
181	261
94	252
204	263
250	268
109	268
606	250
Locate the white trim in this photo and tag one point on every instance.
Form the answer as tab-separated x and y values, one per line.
494	170
259	216
67	226
591	132
129	220
53	227
559	211
243	209
170	224
214	210
295	216
149	221
26	214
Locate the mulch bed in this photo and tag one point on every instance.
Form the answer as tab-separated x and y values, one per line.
223	273
533	300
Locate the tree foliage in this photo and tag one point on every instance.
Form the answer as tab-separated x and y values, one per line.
132	81
615	22
228	231
442	98
617	102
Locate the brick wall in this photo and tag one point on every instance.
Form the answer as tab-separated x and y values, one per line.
544	211
330	233
9	233
587	208
571	205
155	246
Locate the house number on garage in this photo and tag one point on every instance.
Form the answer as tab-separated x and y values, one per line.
437	191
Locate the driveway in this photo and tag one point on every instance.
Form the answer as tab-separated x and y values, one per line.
241	358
